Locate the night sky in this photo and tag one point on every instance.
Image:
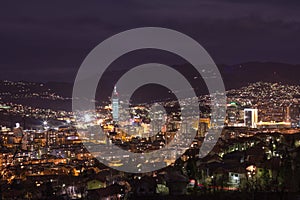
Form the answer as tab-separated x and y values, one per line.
48	40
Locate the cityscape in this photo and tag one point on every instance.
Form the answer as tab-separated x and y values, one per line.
151	100
258	149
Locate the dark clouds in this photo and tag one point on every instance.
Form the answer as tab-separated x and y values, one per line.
47	40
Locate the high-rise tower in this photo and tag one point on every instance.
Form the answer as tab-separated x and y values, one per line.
115	105
250	117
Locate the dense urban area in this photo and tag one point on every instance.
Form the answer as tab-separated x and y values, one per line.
45	152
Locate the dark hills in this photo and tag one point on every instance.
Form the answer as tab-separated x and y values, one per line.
234	76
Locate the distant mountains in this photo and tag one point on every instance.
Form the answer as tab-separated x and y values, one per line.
56	95
236	76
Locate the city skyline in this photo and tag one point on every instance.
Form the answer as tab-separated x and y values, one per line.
130	99
250	154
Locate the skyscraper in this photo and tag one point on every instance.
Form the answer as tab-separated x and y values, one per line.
294	115
233	113
115	105
250	117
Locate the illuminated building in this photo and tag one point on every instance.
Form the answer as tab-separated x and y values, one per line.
250	117
232	113
204	125
115	105
276	125
294	115
286	114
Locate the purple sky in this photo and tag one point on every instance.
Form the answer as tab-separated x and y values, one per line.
48	40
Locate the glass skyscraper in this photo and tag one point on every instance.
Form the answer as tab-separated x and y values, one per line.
115	105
